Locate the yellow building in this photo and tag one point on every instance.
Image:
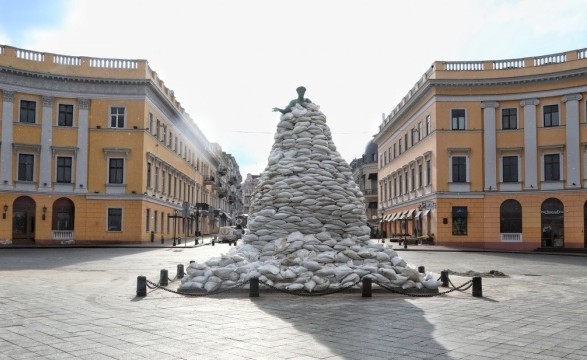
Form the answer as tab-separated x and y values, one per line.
490	154
99	150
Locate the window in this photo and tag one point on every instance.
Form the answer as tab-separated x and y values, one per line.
164	140
394	187
428	173
510	168
151	123
401	190
156	178
419	130
510	217
28	110
170	139
116	117
428	125
458	119
158	132
64	169
420	175
459	220
552	167
148	220
459	169
407	183
394	150
400	146
155	218
163	182
26	164
116	171
65	115
550	115
413	178
509	119
406	141
114	219
148	175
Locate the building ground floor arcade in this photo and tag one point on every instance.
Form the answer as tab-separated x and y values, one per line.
508	221
93	219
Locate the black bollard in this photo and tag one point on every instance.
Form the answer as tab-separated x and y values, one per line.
477	290
421	269
163	278
162	239
367	282
212	242
444	278
196	242
180	273
254	287
141	286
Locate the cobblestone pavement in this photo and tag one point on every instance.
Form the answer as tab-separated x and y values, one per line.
80	303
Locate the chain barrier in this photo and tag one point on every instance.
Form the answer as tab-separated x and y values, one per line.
303	292
465	286
394	290
157	286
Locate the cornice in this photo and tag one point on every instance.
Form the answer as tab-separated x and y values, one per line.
433	83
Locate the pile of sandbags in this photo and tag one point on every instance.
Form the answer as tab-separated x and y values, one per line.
307	226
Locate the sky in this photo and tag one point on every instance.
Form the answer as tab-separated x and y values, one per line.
229	62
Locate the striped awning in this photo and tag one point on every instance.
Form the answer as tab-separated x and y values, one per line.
426	212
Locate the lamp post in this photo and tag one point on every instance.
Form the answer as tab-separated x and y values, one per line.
197	223
382	239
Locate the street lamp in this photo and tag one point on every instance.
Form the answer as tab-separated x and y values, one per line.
382	239
197	223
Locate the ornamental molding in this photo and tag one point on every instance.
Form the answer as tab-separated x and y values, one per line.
530	102
572	97
489	104
8	96
47	101
84	104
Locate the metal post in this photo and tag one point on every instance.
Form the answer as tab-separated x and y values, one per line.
180	272
163	278
477	290
367	282
141	286
444	278
254	287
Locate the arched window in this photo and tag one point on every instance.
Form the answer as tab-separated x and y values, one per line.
510	217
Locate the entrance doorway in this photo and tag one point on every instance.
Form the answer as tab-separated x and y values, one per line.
23	220
553	223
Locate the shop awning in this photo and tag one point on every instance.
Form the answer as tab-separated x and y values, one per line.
390	218
418	214
426	212
409	213
401	215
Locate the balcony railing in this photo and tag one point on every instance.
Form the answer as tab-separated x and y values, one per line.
62	235
209	180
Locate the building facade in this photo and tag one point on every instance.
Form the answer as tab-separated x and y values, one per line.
249	185
365	171
99	150
490	154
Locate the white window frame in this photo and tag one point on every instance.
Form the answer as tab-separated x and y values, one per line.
110	114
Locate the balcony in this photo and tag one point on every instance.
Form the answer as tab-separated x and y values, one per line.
221	170
222	192
231	199
209	180
62	235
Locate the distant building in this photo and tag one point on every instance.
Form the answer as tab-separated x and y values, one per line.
490	154
365	175
99	150
248	188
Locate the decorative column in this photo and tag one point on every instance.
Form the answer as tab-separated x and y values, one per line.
530	149
489	145
81	161
573	143
6	147
46	136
